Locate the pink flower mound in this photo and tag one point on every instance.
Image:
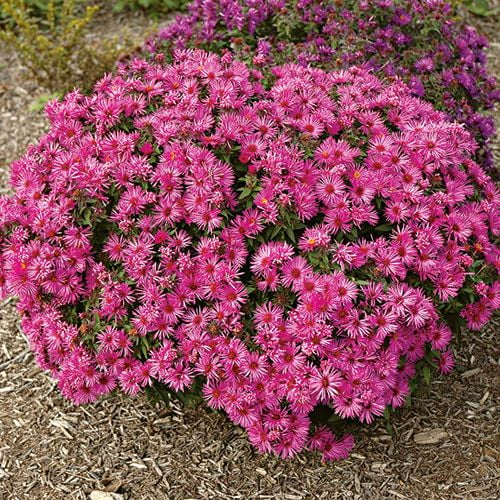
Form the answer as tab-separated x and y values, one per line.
280	248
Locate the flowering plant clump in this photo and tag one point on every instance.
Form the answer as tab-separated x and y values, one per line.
442	60
276	249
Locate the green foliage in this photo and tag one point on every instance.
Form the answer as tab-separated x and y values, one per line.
154	8
39	103
480	7
51	42
160	393
37	8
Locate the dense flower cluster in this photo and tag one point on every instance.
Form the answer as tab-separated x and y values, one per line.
442	60
281	248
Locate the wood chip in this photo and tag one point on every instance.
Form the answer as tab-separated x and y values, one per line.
105	495
471	373
432	436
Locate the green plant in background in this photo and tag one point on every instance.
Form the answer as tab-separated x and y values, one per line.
480	7
37	7
39	102
155	8
52	42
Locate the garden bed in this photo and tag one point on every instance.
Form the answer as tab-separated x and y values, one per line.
50	448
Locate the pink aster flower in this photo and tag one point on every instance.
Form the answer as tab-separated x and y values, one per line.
446	362
325	384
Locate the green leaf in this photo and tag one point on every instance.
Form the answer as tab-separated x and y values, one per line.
353	235
427	374
144	350
313	258
275	231
86	217
431	357
290	233
455	322
39	103
361	282
244	193
334	419
384	228
119	5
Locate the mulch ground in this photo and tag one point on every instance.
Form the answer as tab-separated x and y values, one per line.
135	450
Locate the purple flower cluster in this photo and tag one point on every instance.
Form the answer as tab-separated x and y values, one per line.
280	247
442	60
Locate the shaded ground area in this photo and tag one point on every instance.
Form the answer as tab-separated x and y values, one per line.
50	449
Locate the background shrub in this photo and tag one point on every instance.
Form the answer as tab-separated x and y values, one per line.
53	45
37	8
